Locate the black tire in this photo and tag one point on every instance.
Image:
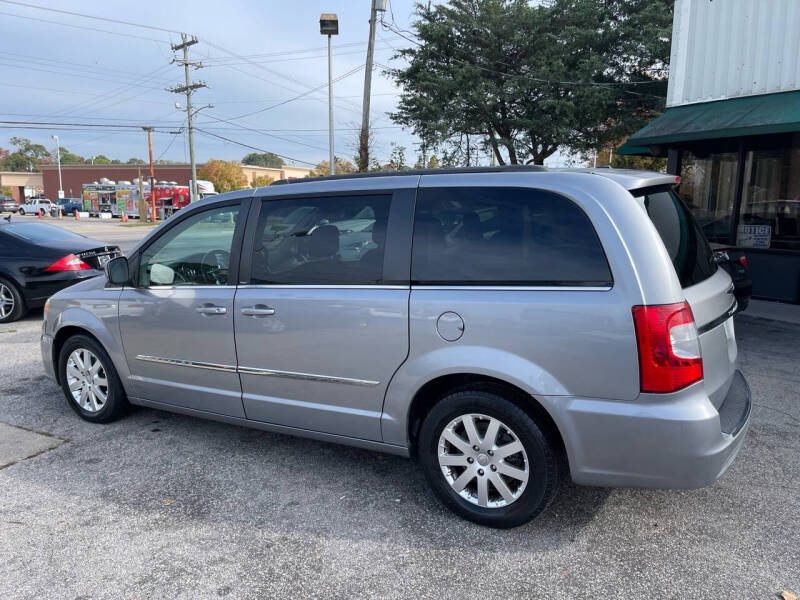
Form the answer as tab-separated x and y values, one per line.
19	309
116	402
542	458
21	212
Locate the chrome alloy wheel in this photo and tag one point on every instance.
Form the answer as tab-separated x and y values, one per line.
6	301
87	380
483	460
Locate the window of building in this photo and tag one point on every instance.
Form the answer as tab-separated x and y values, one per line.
770	210
504	236
336	240
708	187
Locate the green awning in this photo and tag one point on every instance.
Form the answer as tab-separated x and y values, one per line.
627	150
751	115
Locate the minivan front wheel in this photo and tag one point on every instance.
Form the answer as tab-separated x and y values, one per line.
89	380
487	459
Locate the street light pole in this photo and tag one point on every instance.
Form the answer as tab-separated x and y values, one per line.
329	25
58	159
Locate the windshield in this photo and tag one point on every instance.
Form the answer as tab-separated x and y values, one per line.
38	233
684	240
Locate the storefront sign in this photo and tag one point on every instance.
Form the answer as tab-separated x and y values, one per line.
754	236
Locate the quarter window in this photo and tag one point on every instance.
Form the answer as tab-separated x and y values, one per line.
196	251
504	236
335	240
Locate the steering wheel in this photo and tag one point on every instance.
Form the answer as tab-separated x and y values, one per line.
214	266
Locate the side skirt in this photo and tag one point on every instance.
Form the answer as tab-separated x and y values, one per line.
294	431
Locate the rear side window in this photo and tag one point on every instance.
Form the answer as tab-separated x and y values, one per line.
684	240
333	240
504	236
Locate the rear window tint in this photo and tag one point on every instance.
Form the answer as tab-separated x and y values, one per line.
504	236
684	240
39	233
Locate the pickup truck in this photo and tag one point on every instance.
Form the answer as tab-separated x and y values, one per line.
68	206
35	205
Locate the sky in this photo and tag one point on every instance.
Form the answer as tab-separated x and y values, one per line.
255	54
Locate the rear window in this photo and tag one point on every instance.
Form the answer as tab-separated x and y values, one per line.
504	236
684	240
39	233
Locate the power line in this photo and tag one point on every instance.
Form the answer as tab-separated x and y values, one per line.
85	16
95	29
252	147
319	87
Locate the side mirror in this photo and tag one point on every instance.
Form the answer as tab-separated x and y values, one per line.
117	271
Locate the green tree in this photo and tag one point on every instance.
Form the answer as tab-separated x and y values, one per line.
27	156
225	175
343	166
135	161
70	158
101	159
265	159
262	181
524	79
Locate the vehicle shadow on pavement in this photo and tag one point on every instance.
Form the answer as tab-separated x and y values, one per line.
175	470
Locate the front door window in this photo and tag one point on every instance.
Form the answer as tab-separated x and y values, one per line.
195	252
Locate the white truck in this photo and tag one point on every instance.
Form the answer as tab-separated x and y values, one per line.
35	205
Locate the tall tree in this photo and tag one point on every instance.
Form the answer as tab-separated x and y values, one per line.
263	159
524	79
225	175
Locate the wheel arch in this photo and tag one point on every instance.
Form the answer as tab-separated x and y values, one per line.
434	390
78	322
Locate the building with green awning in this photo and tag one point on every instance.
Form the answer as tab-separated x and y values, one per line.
731	130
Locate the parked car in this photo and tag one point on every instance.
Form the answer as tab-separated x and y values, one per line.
507	326
36	205
37	260
68	206
8	205
734	261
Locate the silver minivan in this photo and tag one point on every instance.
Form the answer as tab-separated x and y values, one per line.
504	326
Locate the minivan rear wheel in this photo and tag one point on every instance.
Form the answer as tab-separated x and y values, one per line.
487	459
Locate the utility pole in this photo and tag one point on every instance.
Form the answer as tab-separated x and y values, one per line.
149	131
363	140
187	89
58	158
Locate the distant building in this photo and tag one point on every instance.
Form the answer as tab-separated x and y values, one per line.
22	183
732	131
74	176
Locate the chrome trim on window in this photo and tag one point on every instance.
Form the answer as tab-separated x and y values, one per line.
306	376
177	362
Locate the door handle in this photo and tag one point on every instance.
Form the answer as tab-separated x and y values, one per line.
212	310
259	310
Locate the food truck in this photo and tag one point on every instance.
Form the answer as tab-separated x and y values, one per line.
115	198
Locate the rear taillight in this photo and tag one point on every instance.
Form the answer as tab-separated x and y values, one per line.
743	261
70	262
669	347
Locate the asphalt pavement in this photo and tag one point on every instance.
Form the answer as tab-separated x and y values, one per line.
165	506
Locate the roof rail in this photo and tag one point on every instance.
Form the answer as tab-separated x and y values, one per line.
445	171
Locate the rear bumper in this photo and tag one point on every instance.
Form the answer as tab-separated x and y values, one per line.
669	441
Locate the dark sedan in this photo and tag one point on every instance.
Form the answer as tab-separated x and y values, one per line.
37	260
8	204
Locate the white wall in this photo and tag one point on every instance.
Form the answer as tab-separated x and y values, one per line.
729	48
